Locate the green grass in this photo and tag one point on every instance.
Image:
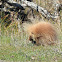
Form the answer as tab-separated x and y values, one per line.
16	49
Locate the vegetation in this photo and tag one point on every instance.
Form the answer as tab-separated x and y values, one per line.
15	46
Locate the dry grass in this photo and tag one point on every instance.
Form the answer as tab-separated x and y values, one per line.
15	46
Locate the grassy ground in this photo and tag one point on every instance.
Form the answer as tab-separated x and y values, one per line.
14	47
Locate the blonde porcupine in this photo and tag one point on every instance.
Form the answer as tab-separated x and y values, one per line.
42	33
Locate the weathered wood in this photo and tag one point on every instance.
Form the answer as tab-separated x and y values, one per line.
42	10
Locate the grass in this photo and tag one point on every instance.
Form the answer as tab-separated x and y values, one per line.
29	53
15	48
14	45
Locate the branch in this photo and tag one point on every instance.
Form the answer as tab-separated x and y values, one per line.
43	11
15	5
32	5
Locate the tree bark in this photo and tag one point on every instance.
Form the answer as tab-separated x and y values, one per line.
41	10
